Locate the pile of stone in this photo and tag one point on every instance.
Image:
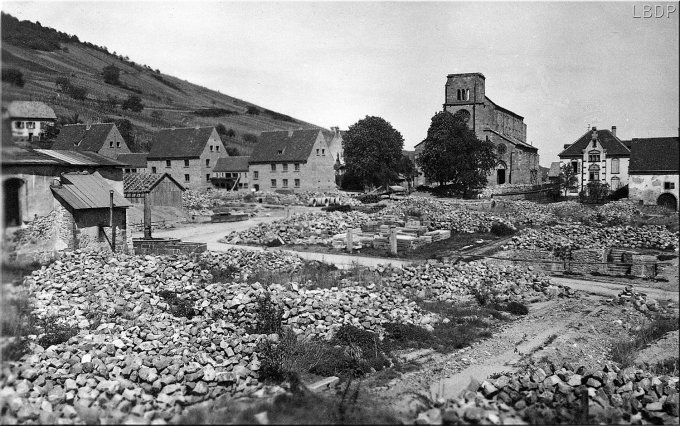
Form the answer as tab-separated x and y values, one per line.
638	300
618	212
34	232
522	212
584	236
442	214
494	283
197	200
573	211
306	228
564	396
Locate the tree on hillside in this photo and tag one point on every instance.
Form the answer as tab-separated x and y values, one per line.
253	110
112	75
133	103
13	76
568	178
372	149
452	155
221	129
232	151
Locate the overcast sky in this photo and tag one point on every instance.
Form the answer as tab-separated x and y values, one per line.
562	66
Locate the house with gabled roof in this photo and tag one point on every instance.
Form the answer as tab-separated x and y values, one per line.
295	160
29	120
597	156
188	154
654	173
102	138
158	189
231	173
136	161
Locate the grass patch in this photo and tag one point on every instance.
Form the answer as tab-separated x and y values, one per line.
313	274
625	351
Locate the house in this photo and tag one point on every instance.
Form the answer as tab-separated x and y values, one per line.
554	172
231	173
159	189
102	138
597	156
654	170
136	160
187	154
29	120
298	160
465	97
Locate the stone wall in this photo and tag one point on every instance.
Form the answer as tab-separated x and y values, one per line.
160	246
648	188
585	261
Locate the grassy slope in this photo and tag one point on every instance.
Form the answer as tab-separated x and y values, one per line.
83	66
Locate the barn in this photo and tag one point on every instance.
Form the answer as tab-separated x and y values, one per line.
159	189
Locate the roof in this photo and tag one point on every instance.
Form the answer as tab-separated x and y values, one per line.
627	142
232	164
513	141
13	155
135	160
554	169
467	74
30	109
81	137
606	138
80	158
187	142
87	191
505	110
654	155
293	145
133	182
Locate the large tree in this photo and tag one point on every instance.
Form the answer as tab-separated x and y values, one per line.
568	178
372	150
452	155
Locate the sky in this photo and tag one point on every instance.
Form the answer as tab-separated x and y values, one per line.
561	65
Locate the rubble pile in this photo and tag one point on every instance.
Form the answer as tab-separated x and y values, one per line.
306	228
565	396
618	212
522	212
638	300
35	231
573	211
584	236
494	283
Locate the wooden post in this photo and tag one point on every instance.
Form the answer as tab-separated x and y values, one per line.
147	217
393	239
111	225
350	240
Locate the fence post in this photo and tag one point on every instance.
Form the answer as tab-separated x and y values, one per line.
393	239
350	241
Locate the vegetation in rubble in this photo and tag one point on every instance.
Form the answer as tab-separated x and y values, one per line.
177	307
17	322
314	274
624	351
55	331
268	317
501	229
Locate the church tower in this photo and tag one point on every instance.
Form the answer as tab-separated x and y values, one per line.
465	96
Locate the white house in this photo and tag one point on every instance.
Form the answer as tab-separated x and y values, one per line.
654	171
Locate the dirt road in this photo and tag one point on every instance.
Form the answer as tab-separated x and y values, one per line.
611	290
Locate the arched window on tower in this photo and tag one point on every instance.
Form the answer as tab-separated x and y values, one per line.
467	94
459	95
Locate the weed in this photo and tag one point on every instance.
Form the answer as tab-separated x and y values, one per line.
178	307
625	351
17	322
268	317
514	308
340	208
501	229
55	332
224	274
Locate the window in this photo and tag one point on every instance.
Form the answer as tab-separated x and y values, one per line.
110	144
594	156
30	124
273	183
217	148
669	185
207	177
467	94
285	183
186	178
323	151
207	162
317	151
19	125
168	163
280	151
186	163
297	183
615	166
211	148
256	175
594	172
615	183
153	170
273	166
297	167
285	168
574	165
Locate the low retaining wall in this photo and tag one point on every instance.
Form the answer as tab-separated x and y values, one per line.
166	246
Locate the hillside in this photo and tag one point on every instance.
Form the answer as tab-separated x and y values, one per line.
44	55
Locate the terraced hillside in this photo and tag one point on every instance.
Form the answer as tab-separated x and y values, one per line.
44	55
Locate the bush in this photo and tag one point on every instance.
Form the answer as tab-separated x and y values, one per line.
78	93
268	317
619	193
368	198
55	332
249	138
501	229
252	110
342	208
111	75
177	307
133	103
625	351
423	188
13	76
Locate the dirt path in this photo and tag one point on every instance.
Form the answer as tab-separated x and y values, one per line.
608	289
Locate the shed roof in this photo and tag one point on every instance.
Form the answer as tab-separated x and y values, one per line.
654	155
286	145
606	138
144	183
80	158
232	164
135	159
87	191
81	137
186	142
30	109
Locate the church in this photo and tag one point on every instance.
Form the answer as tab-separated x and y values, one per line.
465	97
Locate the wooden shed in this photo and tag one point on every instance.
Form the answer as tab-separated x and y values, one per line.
159	189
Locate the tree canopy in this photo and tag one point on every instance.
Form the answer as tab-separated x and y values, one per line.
133	103
112	75
568	178
373	151
453	155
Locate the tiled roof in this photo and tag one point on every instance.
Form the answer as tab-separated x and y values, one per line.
606	138
30	109
295	146
87	191
232	164
188	142
80	137
554	169
654	155
80	158
513	141
145	182
135	160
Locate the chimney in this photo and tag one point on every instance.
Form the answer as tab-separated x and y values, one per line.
614	130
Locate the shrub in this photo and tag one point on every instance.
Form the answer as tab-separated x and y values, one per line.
342	208
111	75
249	138
133	103
177	307
13	76
78	93
625	351
55	332
268	317
423	188
368	198
620	193
501	229
251	110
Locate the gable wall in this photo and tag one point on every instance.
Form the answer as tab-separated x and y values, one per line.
113	151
